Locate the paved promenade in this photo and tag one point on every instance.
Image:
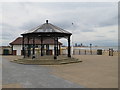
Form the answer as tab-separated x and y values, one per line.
96	71
31	76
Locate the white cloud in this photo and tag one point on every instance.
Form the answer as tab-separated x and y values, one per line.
91	21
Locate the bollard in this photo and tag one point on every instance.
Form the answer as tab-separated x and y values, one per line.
85	52
110	52
33	56
79	52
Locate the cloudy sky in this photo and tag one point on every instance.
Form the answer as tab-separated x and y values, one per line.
93	22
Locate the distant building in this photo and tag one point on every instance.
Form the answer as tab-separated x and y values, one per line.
5	50
48	46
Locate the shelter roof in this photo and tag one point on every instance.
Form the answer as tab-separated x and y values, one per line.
18	41
47	28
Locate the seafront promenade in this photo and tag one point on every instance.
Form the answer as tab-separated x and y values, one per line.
31	76
95	71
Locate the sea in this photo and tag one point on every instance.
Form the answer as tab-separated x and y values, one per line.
115	48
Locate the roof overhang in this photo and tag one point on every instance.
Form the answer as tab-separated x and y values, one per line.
48	34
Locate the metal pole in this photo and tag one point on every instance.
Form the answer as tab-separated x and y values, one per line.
33	48
109	51
41	46
23	49
28	46
57	47
12	49
55	54
91	49
69	54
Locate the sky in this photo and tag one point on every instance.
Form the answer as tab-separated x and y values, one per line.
89	22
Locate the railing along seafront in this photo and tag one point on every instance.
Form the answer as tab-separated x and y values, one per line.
78	51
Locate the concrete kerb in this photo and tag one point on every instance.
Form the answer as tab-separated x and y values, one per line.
46	61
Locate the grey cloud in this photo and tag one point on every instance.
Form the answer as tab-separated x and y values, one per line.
100	36
84	16
9	33
5	25
105	42
32	24
109	22
87	30
112	31
64	24
29	25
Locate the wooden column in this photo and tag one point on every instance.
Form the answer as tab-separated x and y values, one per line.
55	48
69	49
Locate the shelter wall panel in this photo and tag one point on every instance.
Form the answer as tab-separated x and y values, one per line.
18	48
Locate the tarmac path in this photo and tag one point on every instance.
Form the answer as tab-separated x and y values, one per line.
31	76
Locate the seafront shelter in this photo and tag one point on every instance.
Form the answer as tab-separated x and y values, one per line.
41	33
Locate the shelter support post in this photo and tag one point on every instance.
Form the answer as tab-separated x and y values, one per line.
55	48
69	49
28	48
23	49
41	46
33	48
12	48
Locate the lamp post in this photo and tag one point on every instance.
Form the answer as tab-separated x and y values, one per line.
72	47
91	49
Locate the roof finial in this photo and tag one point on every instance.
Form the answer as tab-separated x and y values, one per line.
47	21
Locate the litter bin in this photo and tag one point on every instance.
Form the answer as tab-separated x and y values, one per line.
99	52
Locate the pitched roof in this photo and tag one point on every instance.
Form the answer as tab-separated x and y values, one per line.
18	41
47	27
4	46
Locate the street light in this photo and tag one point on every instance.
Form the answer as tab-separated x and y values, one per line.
91	49
72	49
